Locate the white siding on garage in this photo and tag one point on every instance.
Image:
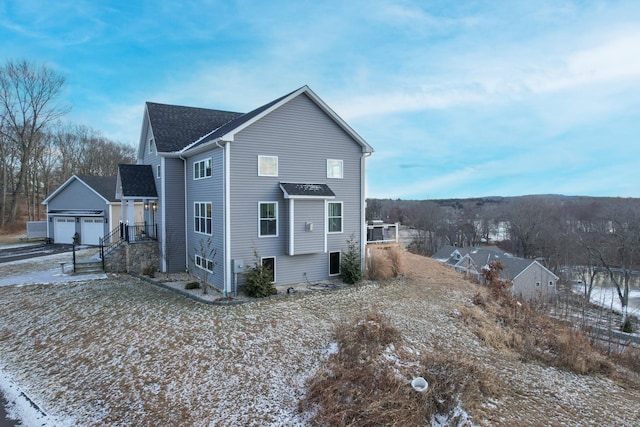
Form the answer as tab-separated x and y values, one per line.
64	229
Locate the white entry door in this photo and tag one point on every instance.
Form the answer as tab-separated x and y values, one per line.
63	229
92	229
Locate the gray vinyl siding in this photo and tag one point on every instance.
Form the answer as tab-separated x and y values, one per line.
525	285
211	190
77	196
303	137
308	241
173	199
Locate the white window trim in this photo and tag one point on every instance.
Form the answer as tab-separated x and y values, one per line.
330	169
275	277
158	171
198	261
197	222
340	259
260	219
341	217
151	143
196	168
260	157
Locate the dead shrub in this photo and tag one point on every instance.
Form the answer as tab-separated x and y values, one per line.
576	353
360	387
502	322
379	266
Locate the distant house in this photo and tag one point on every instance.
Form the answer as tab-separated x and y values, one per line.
529	279
86	205
284	181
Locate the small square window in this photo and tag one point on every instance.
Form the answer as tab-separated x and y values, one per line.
267	166
334	168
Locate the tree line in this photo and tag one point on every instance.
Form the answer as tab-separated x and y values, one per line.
38	150
582	237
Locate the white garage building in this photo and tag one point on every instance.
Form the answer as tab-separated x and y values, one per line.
85	205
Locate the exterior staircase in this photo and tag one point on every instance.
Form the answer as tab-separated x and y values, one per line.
89	266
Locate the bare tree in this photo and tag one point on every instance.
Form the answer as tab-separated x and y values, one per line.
204	262
28	96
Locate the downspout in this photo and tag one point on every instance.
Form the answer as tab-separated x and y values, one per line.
186	220
363	208
226	235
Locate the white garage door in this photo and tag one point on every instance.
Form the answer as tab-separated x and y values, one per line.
92	231
63	229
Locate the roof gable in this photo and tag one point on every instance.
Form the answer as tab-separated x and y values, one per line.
103	186
228	131
136	181
182	129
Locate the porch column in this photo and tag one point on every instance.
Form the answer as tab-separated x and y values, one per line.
131	219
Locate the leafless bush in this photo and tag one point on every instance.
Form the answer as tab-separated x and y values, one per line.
505	323
361	387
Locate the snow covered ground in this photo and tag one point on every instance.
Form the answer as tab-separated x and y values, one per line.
121	351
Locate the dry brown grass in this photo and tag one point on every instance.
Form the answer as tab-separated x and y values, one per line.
367	382
504	323
379	266
385	263
396	256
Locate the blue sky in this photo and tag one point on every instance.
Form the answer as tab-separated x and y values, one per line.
459	99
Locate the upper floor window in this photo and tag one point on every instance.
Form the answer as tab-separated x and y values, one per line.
202	169
334	168
150	145
268	219
202	217
267	165
334	215
157	171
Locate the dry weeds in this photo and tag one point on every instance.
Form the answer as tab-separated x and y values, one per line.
366	382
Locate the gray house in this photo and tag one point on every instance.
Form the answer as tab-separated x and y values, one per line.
285	182
86	205
529	279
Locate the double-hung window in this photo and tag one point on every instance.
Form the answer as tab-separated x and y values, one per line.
335	168
267	165
334	215
202	169
151	142
202	217
268	219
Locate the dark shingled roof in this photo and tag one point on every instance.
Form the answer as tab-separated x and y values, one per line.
175	127
137	181
306	190
103	185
